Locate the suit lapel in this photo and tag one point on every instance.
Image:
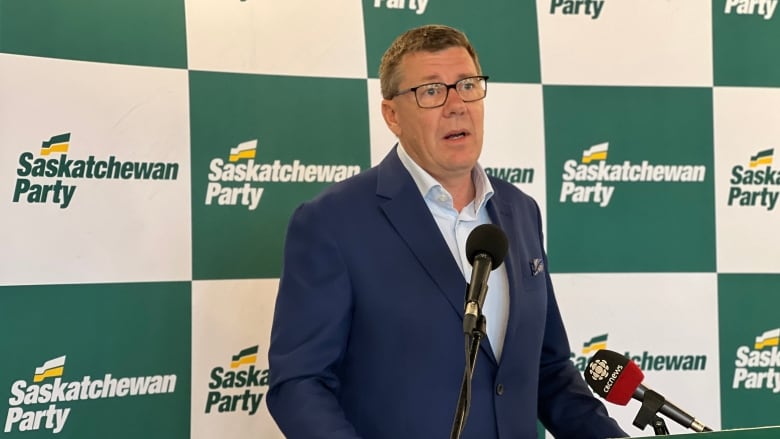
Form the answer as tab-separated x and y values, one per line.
407	212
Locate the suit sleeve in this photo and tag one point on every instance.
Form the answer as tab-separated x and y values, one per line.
309	332
567	407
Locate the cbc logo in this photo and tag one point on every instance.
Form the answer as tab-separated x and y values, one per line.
599	370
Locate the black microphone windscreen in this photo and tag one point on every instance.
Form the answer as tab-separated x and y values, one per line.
613	376
490	239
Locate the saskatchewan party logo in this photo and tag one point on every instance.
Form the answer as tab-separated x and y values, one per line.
758	184
240	387
238	182
49	387
646	360
755	364
52	177
593	180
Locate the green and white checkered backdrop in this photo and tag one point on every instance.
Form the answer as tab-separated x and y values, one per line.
151	152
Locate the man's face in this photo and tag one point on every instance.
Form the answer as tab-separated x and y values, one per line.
445	141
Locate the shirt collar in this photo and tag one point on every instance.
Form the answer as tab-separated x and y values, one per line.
426	183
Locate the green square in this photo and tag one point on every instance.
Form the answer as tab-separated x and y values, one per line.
310	121
745	45
505	35
136	32
650	223
748	305
137	330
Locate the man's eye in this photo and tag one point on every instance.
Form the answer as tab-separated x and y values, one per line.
432	90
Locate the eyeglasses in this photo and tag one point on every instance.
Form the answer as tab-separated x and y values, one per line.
435	94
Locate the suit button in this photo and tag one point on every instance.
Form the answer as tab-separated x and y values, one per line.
500	389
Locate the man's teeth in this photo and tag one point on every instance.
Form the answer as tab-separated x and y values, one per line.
456	136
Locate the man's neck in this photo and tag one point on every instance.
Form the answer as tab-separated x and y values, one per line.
461	189
461	185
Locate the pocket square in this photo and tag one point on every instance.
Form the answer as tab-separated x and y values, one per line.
537	266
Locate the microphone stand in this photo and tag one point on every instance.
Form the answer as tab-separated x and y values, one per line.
659	426
474	332
648	413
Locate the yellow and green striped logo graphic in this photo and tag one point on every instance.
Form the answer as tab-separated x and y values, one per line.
589	347
595	343
58	143
595	152
762	158
50	369
244	150
246	356
768	339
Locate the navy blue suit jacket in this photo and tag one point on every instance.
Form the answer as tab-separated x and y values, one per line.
367	334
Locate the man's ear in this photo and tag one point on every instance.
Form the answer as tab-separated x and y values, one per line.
391	116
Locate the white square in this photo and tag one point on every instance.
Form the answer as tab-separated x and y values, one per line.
295	37
746	122
110	229
228	317
637	42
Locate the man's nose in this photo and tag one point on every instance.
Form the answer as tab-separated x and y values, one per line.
454	103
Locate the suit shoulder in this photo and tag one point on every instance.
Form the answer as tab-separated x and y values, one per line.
349	191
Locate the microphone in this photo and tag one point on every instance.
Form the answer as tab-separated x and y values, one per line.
486	249
617	379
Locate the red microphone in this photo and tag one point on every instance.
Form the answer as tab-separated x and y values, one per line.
617	379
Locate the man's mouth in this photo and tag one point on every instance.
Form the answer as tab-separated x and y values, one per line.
455	135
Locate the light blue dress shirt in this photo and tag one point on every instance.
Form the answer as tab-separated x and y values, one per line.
455	227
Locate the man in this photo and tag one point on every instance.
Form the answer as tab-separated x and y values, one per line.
367	334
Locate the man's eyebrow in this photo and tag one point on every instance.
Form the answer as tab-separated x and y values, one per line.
437	78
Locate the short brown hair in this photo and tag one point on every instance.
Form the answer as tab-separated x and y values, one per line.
429	38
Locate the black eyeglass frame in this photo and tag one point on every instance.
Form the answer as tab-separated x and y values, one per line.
454	86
